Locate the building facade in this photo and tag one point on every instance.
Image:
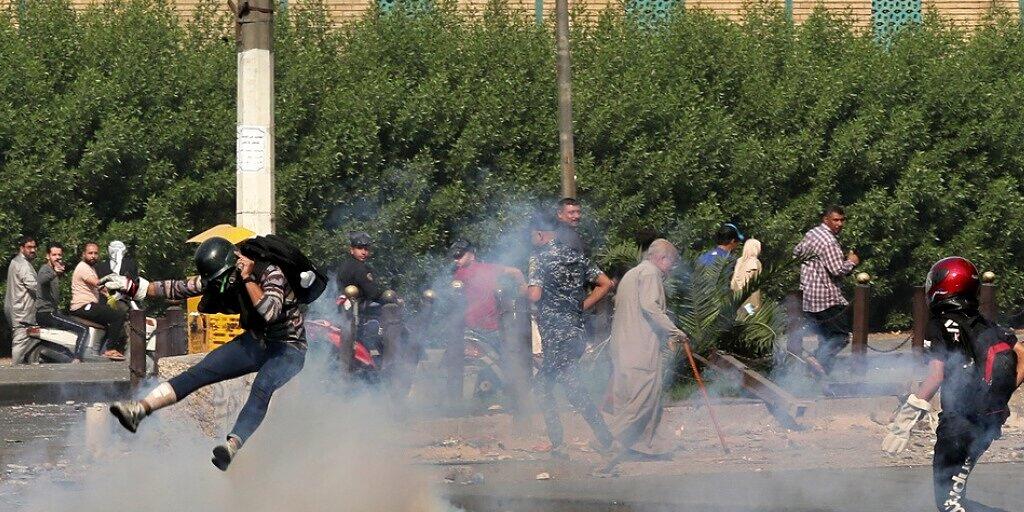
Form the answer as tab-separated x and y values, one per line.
865	13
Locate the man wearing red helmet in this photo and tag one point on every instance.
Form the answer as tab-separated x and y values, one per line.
977	364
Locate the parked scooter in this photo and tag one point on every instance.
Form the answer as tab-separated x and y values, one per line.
58	346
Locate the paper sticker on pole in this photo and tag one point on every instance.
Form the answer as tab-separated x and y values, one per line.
251	148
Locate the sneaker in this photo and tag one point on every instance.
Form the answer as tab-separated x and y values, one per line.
223	453
129	413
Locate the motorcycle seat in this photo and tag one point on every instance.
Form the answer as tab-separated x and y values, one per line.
88	323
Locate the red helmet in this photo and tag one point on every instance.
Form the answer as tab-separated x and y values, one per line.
953	281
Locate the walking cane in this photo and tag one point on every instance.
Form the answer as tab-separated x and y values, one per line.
700	383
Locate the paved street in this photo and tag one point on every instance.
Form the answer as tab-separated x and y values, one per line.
35	438
839	490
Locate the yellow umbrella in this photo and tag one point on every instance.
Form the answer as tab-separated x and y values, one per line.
216	329
233	234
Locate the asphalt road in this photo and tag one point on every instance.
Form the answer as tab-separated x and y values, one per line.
838	490
35	439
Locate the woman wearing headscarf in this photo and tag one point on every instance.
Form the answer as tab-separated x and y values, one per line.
747	267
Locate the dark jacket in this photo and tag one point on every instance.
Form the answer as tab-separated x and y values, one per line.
359	273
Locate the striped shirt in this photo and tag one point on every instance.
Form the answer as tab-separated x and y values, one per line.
278	307
822	273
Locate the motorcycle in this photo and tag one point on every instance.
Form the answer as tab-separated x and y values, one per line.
365	363
51	345
58	346
484	375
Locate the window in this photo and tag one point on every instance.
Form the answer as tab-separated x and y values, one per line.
408	5
651	10
889	16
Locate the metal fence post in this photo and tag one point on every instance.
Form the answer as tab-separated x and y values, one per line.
794	323
347	349
396	360
455	350
515	328
170	334
136	346
861	297
921	317
987	296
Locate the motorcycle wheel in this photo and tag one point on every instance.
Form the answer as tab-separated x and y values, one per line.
43	354
487	385
33	356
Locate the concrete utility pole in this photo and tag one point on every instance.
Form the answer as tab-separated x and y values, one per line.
563	75
254	169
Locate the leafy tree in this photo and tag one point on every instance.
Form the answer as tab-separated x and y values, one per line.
420	126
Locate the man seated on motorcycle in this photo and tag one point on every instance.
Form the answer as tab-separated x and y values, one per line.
86	303
977	364
273	344
481	282
354	270
48	302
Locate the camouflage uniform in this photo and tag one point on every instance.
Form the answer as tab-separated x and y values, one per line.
563	273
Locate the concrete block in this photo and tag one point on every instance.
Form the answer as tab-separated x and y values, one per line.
215	407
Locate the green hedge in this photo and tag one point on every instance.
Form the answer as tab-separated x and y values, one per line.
119	122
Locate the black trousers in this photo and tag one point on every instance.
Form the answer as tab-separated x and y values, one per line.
960	442
833	326
56	320
112	319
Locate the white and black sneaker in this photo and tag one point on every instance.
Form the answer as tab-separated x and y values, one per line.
128	413
224	452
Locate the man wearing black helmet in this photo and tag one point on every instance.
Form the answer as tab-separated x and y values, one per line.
977	364
273	344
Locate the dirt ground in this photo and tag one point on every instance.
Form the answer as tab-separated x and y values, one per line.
834	433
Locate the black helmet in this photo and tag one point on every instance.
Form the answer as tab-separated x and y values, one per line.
214	258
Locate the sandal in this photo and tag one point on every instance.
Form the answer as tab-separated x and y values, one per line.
113	355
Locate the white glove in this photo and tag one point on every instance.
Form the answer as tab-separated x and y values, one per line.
129	287
903	422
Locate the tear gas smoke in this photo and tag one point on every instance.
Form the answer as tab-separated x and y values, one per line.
318	450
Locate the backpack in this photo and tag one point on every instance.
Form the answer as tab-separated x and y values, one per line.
275	250
994	376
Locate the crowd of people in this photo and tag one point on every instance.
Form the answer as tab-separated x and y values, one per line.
33	297
976	363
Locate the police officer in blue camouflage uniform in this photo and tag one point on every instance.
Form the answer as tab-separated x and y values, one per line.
559	274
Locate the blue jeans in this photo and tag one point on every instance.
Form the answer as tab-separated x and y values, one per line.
275	362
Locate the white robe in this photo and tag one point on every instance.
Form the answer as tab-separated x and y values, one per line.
639	327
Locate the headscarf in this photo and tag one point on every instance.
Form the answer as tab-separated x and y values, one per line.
116	251
747	266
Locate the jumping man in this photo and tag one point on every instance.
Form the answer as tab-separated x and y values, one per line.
273	344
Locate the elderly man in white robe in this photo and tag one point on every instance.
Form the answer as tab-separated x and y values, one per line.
640	327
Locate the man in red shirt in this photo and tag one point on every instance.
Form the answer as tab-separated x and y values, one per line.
481	281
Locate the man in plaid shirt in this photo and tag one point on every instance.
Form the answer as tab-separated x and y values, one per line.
820	275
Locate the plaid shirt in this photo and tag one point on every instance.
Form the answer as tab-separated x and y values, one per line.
821	274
